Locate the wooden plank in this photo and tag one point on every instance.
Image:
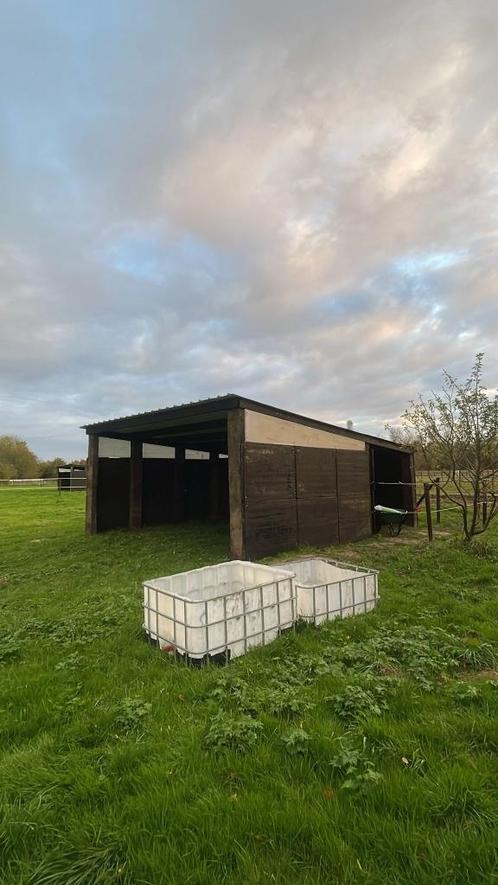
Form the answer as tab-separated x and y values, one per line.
113	502
197	489
315	472
179	485
236	468
271	526
318	521
136	484
92	479
270	471
354	495
270	493
157	491
353	474
214	485
354	519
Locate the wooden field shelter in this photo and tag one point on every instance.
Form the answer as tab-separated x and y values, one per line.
71	477
279	479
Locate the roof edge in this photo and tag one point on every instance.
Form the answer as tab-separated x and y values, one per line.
229	401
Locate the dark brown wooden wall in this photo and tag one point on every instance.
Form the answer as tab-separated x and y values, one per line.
158	507
270	499
299	495
317	511
354	495
113	494
158	476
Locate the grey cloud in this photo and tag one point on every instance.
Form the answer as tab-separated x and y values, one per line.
192	191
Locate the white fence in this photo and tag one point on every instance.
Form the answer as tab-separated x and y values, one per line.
75	484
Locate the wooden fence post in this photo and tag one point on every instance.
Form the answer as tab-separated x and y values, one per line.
438	500
427	498
484	509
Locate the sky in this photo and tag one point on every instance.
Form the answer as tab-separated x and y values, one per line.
295	202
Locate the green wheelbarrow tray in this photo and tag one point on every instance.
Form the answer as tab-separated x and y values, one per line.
389	517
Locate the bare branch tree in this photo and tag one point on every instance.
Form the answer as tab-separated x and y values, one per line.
457	430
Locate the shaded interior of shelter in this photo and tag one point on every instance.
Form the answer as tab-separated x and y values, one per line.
188	482
391	480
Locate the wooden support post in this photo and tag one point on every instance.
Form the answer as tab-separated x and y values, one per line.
179	485
136	484
236	439
438	500
427	498
484	509
214	485
92	479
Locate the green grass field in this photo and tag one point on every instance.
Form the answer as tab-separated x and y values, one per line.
365	751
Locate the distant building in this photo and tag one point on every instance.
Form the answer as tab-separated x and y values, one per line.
71	478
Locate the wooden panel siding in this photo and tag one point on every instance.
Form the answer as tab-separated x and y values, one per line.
136	485
316	484
290	497
158	479
354	495
316	472
113	499
270	499
159	504
318	521
261	428
271	526
270	472
299	495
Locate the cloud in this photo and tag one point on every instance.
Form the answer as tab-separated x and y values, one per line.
294	202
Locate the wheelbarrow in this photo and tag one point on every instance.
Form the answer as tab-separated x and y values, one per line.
390	517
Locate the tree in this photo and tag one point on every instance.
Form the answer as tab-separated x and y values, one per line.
47	469
406	436
457	430
17	461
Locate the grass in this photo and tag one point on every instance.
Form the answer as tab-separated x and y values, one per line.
364	751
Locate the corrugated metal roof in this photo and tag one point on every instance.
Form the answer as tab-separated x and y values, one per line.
227	402
195	402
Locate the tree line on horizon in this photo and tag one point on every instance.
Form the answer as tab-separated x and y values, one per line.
18	461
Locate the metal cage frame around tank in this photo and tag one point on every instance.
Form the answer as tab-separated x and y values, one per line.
343	610
224	647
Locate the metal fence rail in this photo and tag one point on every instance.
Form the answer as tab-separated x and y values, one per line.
52	482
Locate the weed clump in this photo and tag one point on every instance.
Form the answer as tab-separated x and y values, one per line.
353	766
228	732
132	714
10	648
357	702
286	702
296	742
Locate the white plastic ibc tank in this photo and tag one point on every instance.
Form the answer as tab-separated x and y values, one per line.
223	608
327	589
